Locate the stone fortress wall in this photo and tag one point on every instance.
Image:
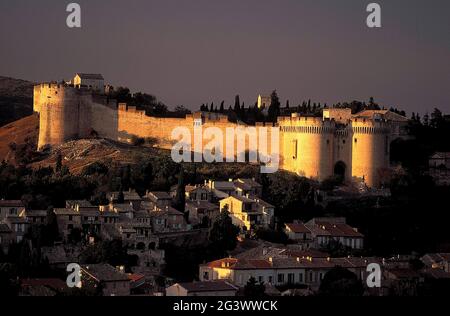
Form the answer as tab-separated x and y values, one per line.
314	147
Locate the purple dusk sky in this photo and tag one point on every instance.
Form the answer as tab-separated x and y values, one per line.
198	51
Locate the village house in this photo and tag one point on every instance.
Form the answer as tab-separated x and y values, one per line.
125	211
248	187
437	261
154	200
199	193
439	168
129	197
210	288
226	187
325	230
67	220
240	187
440	160
279	271
11	208
167	219
112	282
19	227
298	232
95	82
248	213
201	212
6	237
35	217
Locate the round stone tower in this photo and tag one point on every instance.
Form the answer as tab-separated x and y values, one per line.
370	149
307	146
59	109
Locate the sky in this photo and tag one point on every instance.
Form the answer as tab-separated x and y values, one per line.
202	51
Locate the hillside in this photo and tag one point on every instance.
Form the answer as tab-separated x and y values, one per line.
81	153
18	133
16	99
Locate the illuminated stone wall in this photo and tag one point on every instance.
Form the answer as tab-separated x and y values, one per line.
309	146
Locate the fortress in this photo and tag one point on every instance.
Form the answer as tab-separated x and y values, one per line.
339	143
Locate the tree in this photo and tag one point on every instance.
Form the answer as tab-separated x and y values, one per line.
274	108
180	198
254	289
436	118
58	163
181	110
224	234
120	197
340	282
237	104
51	232
222	107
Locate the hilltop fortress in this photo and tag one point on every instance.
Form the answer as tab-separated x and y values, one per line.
339	143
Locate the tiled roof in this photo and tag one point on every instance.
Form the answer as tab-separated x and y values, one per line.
305	253
249	182
35	213
224	185
334	230
242	198
135	277
436	273
90	76
202	205
11	203
389	115
104	273
160	195
55	284
65	211
210	286
80	203
289	263
298	228
431	258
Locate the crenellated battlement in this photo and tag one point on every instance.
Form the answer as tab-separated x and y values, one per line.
309	146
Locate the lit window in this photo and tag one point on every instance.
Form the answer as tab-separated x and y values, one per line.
295	149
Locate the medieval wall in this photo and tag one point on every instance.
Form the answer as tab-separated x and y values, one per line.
133	122
309	146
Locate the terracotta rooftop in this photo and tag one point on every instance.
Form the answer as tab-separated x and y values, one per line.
210	286
334	229
298	228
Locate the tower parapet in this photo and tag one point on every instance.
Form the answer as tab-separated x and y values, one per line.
307	145
64	112
370	149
